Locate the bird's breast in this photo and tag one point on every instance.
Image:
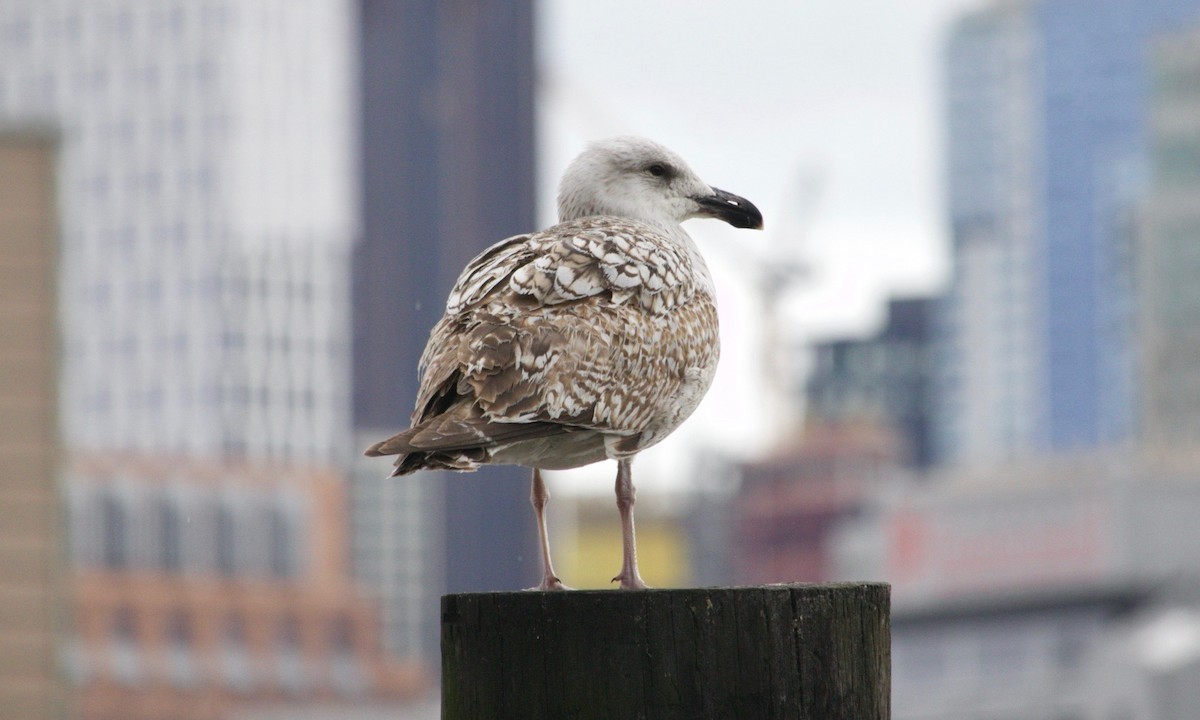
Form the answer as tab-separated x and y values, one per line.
667	365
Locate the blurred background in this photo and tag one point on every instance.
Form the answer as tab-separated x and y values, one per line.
963	358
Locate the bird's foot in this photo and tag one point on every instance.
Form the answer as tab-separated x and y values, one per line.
550	583
633	582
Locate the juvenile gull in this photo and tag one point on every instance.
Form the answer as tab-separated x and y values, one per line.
592	339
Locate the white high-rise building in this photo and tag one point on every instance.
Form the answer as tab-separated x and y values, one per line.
207	207
989	380
207	212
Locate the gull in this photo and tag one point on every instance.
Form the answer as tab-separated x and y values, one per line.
590	340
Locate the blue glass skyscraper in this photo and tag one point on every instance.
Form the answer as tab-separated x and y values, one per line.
1047	106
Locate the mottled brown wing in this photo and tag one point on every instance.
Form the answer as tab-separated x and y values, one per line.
541	328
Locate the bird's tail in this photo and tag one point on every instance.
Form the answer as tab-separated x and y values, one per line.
413	455
449	443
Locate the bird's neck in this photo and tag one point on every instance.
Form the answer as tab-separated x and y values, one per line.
703	277
672	231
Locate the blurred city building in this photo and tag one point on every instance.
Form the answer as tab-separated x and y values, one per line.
206	201
791	503
1040	590
1168	249
1047	125
884	378
1048	569
447	149
33	577
867	407
990	347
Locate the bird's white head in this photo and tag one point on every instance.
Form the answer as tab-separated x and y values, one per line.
636	178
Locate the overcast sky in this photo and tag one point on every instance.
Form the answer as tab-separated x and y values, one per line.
825	114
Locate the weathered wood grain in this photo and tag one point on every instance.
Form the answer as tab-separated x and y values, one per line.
810	652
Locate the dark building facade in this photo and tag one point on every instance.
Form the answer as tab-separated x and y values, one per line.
447	167
447	152
884	378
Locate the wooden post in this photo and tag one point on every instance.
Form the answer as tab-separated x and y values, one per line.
818	652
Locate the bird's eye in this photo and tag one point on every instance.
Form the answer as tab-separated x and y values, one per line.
657	170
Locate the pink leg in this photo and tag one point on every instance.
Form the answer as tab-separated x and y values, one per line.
626	494
539	496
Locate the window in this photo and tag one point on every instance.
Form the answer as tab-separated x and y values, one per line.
179	628
282	563
75	660
291	670
181	662
123	26
125	661
341	634
115	523
346	671
17	33
175	20
124	624
287	632
226	528
239	670
171	541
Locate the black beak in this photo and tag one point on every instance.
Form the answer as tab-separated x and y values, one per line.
737	211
